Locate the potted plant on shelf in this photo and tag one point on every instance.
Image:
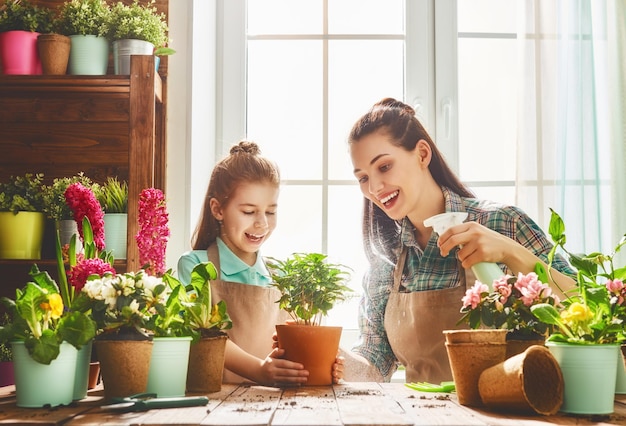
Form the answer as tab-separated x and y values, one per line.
135	29
20	24
22	220
589	326
207	322
86	24
53	47
56	207
310	287
113	197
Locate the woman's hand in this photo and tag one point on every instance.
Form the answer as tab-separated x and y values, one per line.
338	369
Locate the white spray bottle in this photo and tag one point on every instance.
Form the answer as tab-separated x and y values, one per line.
485	272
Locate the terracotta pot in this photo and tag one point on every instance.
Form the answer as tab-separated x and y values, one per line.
124	366
94	375
54	52
206	364
313	346
471	352
530	381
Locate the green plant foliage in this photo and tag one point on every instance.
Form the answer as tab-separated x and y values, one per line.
24	16
55	205
113	196
22	193
6	354
310	286
83	17
138	21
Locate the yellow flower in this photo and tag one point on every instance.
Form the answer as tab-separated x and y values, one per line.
577	312
54	305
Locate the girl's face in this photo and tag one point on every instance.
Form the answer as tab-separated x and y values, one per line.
390	176
248	218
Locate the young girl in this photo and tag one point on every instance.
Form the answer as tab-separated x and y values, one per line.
416	280
239	215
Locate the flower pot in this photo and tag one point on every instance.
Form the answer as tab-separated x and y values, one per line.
589	376
81	379
313	346
19	52
89	55
123	49
206	364
470	352
7	373
620	384
54	52
168	366
68	228
124	365
38	385
94	375
115	226
516	344
21	235
530	381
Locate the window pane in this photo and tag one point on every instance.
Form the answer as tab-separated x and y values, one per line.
366	17
285	105
487	115
299	227
361	72
285	17
494	16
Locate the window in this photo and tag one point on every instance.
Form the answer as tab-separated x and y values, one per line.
295	76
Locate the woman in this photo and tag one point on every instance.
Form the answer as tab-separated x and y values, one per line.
416	279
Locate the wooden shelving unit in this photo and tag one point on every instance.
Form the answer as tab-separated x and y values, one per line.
110	125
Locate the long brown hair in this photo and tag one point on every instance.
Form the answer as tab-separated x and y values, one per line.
398	120
244	164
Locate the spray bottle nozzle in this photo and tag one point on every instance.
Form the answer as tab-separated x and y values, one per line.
441	222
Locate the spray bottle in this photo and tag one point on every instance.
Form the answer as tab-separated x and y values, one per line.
485	272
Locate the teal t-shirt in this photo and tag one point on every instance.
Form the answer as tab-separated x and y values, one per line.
232	268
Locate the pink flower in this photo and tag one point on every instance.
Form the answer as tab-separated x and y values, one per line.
153	230
503	287
77	276
617	289
531	289
473	296
83	202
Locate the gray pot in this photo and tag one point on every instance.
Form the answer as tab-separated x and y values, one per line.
122	49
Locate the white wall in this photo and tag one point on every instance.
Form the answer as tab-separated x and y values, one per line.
191	117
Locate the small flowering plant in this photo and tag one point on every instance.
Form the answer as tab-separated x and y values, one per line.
595	314
153	231
509	304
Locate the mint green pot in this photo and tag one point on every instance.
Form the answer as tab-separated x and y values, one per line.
38	385
168	366
81	379
589	376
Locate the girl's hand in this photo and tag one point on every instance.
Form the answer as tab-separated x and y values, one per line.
276	371
338	369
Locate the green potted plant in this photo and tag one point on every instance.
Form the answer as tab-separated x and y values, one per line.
53	46
113	197
86	23
135	29
310	286
588	323
207	322
22	220
20	23
7	376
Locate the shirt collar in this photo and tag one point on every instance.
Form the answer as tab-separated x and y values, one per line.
231	264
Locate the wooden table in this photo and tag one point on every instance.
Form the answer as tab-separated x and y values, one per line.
347	404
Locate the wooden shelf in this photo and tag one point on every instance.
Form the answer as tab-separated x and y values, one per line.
103	126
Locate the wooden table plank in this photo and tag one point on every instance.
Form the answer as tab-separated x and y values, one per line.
366	404
246	406
311	405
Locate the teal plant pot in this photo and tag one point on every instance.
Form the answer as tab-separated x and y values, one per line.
589	376
115	226
168	366
89	55
81	379
38	385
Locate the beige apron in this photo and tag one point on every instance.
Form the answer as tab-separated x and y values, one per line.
414	323
253	310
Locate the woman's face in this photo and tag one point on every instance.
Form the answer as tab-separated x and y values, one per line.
248	219
390	176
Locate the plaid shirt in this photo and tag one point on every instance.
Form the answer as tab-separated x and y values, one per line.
426	269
